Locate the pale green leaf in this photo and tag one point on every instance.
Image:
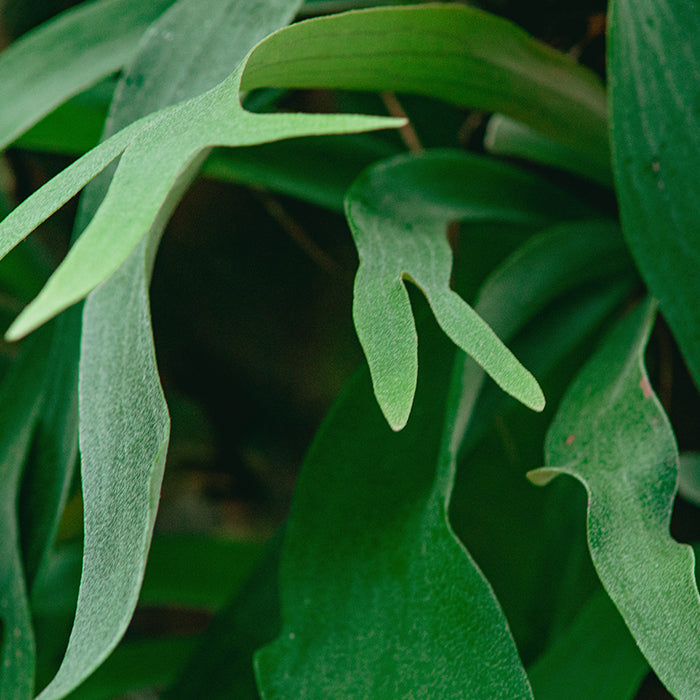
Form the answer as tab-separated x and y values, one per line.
64	56
456	53
159	148
124	423
379	599
611	433
689	477
654	76
398	212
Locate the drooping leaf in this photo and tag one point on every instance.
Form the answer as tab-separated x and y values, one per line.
66	55
124	423
595	658
612	435
398	212
455	53
655	124
21	397
379	599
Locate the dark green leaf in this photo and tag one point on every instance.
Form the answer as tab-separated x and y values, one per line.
378	597
655	119
595	658
21	397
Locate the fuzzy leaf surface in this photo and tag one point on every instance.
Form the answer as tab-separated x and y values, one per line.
379	598
655	120
398	212
611	433
124	422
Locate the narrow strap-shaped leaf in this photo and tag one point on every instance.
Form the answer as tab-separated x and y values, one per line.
66	55
21	397
654	74
398	212
456	53
612	434
124	422
379	599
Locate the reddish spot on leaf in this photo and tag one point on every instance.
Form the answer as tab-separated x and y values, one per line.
645	387
570	439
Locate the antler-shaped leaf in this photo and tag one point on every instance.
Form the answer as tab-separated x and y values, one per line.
398	212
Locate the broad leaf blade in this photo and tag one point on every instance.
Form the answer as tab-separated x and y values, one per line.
398	212
66	55
456	53
654	92
379	599
612	434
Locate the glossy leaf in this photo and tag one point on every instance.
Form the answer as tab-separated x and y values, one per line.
379	599
595	658
655	121
612	434
64	56
398	212
21	397
453	52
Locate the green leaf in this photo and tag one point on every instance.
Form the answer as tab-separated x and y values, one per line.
64	56
456	53
595	658
21	397
124	423
156	150
398	212
654	95
507	137
379	599
612	435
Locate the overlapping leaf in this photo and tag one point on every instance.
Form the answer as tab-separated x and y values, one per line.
379	599
612	434
124	421
66	55
453	52
398	211
654	95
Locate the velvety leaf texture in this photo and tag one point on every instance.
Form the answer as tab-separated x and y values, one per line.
612	434
398	212
379	599
654	74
